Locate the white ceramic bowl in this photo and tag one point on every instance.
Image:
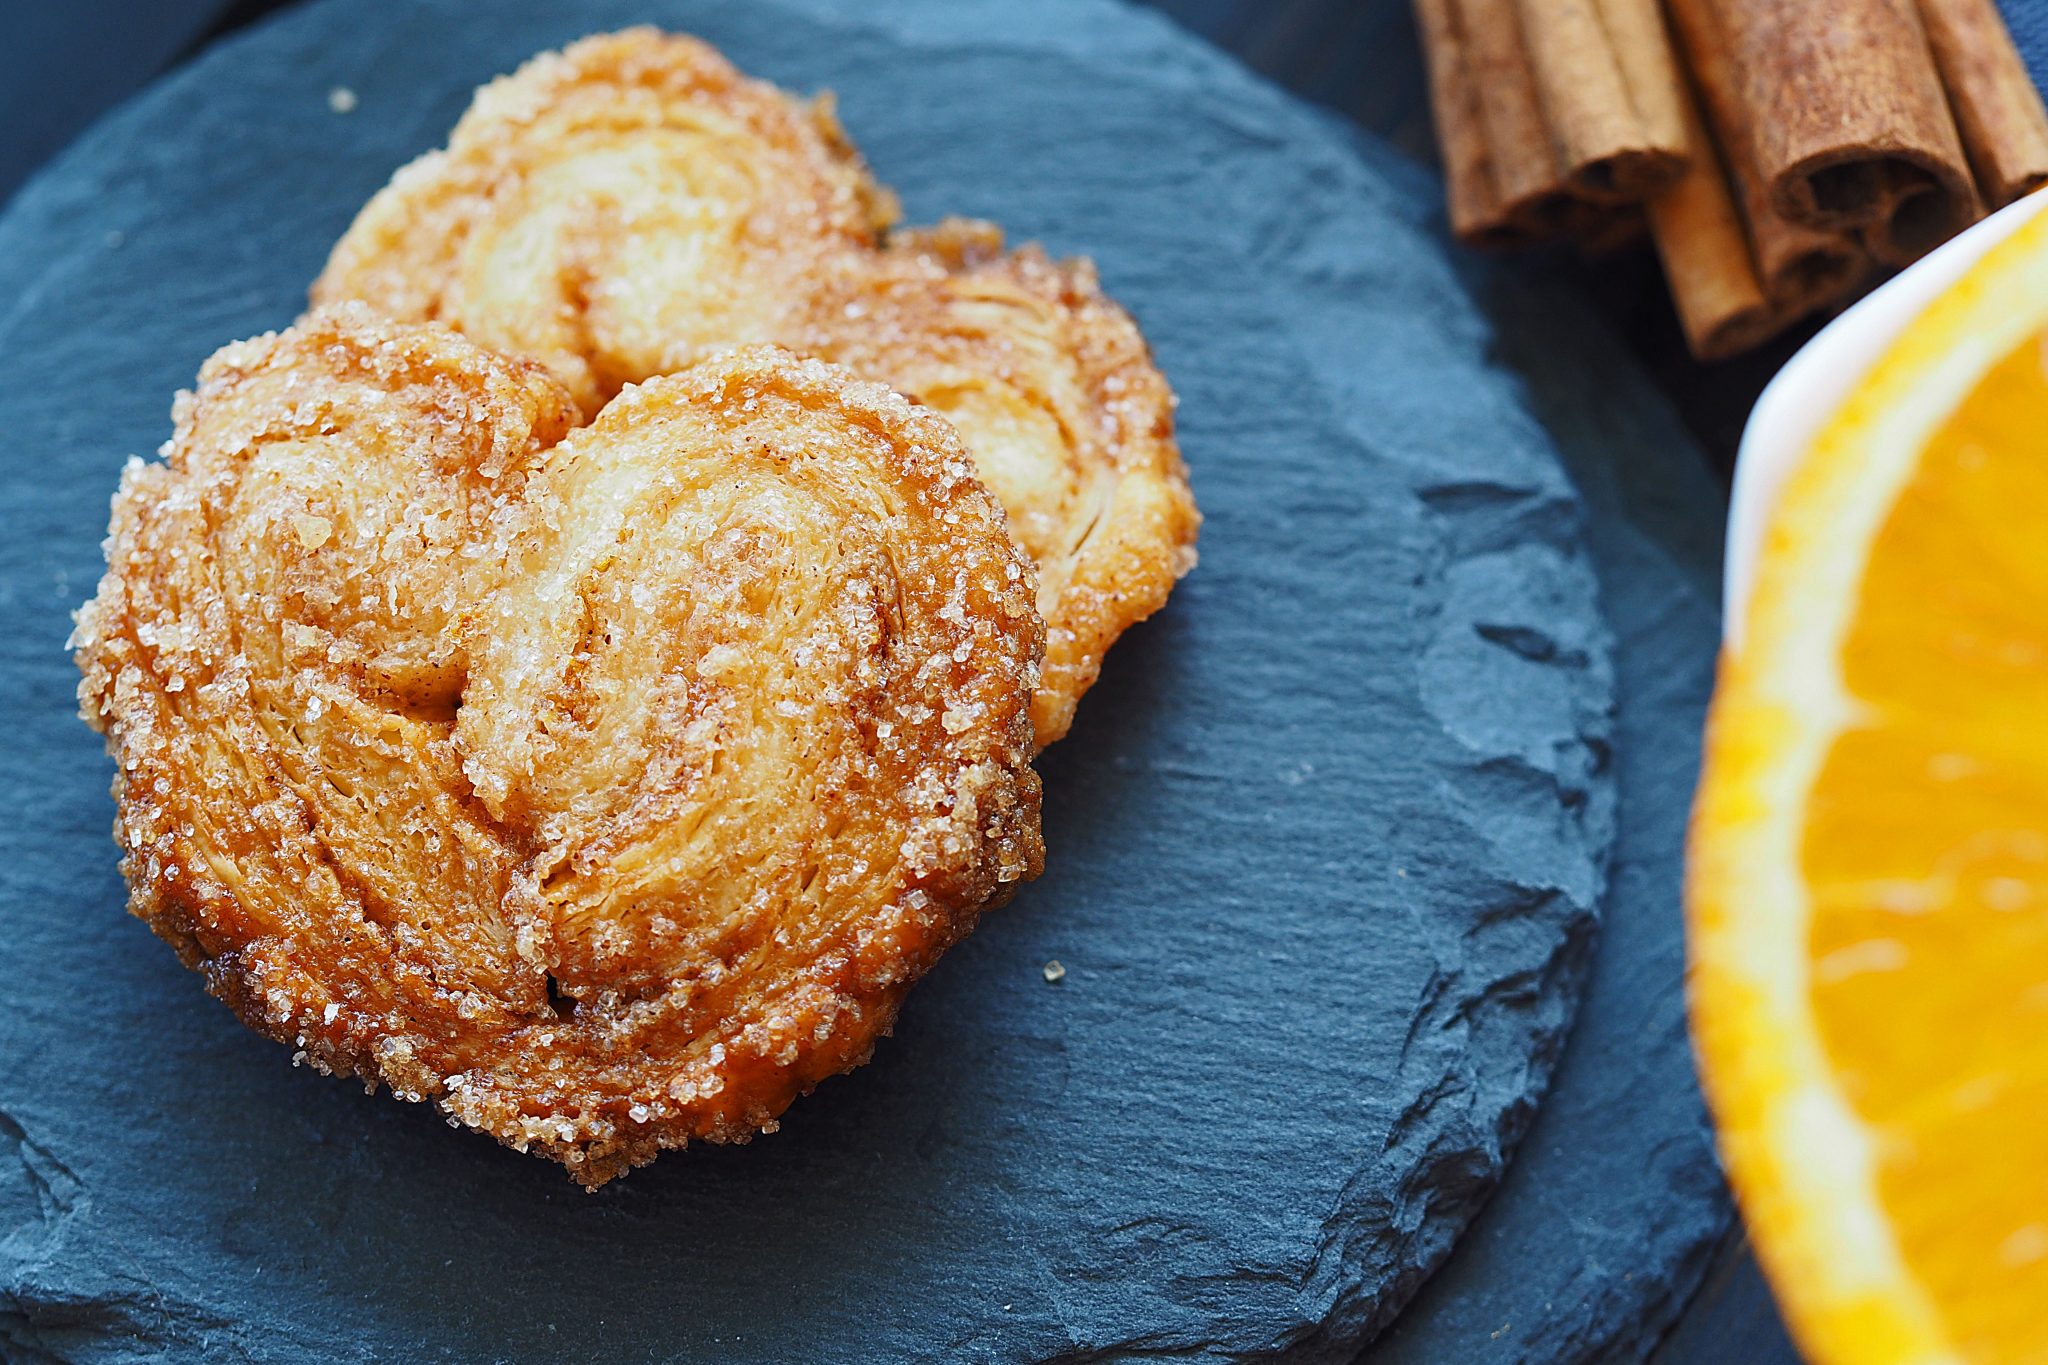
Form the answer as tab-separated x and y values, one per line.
1814	384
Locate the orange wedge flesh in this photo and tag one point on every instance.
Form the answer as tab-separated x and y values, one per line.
1927	854
1869	865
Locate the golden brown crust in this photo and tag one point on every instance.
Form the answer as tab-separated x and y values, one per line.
608	790
613	213
613	210
1051	386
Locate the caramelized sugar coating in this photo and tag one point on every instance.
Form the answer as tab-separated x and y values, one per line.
612	209
608	789
1051	386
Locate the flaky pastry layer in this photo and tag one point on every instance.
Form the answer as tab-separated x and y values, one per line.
607	786
614	208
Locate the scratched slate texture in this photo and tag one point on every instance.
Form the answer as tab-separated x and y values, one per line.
1599	1235
1326	843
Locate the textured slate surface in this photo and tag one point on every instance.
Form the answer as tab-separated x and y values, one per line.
1599	1235
97	53
1326	841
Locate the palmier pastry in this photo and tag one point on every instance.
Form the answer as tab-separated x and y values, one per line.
608	789
611	209
1071	425
614	209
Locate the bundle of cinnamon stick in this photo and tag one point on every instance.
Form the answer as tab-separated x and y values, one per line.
1781	154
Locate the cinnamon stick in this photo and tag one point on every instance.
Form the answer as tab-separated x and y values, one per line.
1776	151
1700	239
1817	271
1476	213
1915	220
1607	149
1845	106
1997	109
1650	70
1800	267
1526	176
1693	222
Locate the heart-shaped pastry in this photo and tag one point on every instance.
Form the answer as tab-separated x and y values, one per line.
607	786
614	208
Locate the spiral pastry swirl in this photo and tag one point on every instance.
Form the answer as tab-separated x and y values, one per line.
613	208
607	787
1050	386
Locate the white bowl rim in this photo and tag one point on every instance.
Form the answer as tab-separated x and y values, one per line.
1816	382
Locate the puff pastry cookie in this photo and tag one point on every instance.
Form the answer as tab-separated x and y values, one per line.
607	786
614	208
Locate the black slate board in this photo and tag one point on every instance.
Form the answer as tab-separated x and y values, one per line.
1606	1221
1326	841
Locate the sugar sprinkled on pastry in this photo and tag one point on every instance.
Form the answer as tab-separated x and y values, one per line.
1071	425
613	208
607	787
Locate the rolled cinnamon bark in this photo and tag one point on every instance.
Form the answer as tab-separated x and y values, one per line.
1606	146
1650	71
1721	303
1816	271
1997	109
1916	219
1476	213
1698	233
1845	108
1800	267
1526	175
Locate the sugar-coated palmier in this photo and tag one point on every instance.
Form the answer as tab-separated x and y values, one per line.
607	789
1071	425
613	208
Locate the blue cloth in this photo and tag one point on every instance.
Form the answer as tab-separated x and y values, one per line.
2028	20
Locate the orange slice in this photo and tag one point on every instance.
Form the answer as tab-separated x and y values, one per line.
1868	886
